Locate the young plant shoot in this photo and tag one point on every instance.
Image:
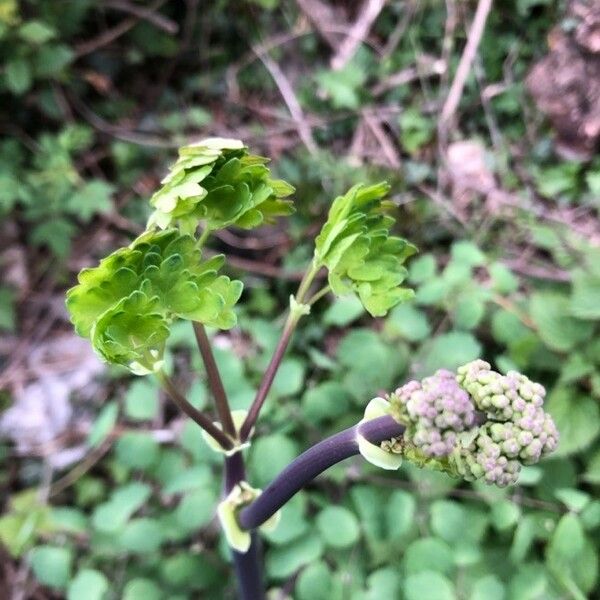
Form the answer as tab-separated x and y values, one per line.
475	424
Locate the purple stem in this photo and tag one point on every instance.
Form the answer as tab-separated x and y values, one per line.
313	462
247	566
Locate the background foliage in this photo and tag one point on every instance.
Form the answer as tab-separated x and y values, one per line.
110	494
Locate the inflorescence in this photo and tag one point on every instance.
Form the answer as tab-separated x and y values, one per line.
477	424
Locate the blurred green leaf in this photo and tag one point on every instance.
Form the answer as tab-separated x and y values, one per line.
51	565
89	584
338	527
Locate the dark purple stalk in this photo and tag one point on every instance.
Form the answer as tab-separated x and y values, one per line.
313	462
192	412
247	566
214	380
267	380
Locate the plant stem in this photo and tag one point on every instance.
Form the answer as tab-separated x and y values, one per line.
268	377
192	412
247	565
318	295
214	380
284	340
313	462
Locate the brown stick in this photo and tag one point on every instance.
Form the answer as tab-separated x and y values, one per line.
466	60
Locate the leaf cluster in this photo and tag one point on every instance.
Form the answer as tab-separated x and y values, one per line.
127	303
219	183
359	252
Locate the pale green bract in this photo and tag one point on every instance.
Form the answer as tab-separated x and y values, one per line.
218	183
360	254
126	304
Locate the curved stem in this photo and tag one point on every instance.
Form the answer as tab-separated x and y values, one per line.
214	380
192	412
247	565
313	462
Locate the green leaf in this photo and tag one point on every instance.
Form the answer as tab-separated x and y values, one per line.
56	234
111	516
196	509
428	585
551	314
269	455
94	197
283	561
52	59
505	514
567	540
503	279
141	401
18	76
467	253
314	582
7	310
407	322
422	268
216	181
592	473
585	298
428	554
137	450
326	400
574	500
51	565
449	351
103	425
343	311
360	254
488	587
400	513
126	304
469	312
89	584
290	377
142	588
142	536
372	365
383	583
343	85
454	524
338	527
577	418
36	32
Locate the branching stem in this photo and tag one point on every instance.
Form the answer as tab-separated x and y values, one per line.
214	380
192	412
247	565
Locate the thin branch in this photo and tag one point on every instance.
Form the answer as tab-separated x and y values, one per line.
289	97
268	377
193	413
160	21
110	35
214	380
466	60
360	30
271	371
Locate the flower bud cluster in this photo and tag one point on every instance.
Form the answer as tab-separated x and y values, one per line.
478	424
518	430
437	409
